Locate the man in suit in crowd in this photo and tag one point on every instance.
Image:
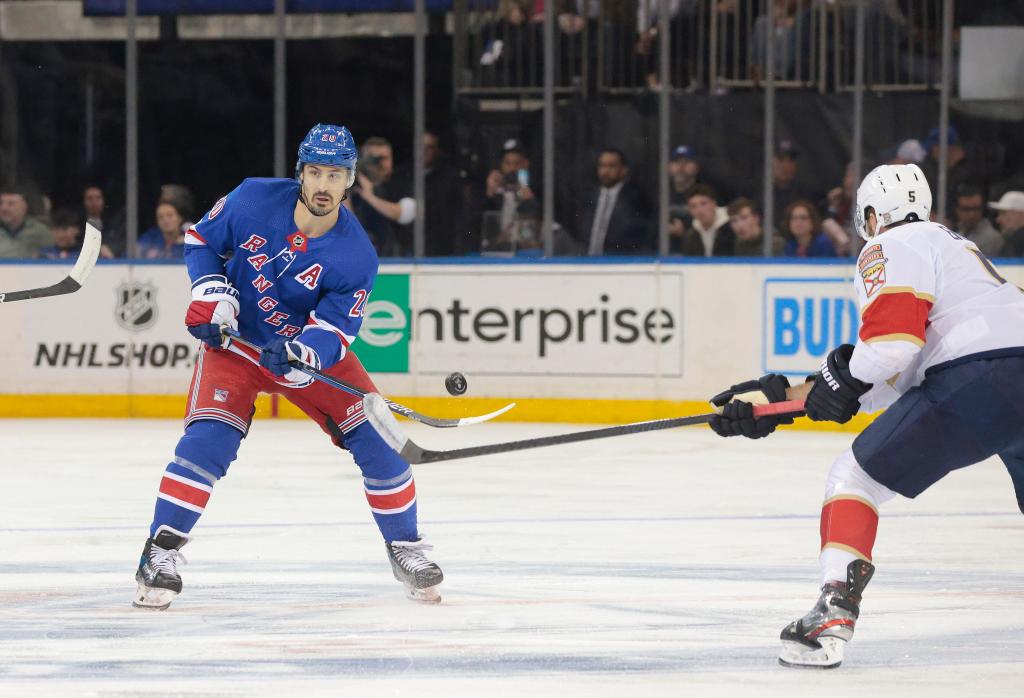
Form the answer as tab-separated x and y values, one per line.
615	214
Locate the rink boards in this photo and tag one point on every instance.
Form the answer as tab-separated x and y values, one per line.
588	341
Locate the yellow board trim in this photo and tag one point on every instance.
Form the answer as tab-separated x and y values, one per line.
549	410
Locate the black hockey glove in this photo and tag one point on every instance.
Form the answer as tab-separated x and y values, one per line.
737	417
835	395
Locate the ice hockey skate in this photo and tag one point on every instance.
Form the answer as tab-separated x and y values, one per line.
818	640
420	576
158	578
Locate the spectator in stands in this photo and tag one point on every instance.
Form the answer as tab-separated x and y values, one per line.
681	14
21	235
710	235
615	214
909	152
802	228
1010	218
166	239
508	196
66	228
745	220
963	168
182	197
785	169
381	202
683	169
110	225
972	223
509	58
442	219
838	223
791	24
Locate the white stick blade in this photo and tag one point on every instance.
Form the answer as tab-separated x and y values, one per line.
379	415
90	253
486	417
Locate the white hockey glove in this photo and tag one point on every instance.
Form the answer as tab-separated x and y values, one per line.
214	304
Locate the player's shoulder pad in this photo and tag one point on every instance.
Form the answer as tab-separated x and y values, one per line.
356	234
264	186
915	239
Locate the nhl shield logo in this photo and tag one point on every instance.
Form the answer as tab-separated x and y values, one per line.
136	305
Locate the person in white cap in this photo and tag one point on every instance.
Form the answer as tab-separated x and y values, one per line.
1011	221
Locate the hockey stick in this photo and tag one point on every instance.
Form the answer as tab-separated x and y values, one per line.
439	422
73	281
374	407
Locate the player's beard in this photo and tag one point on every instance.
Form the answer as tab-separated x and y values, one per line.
318	210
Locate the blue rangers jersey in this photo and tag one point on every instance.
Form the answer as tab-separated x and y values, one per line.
314	290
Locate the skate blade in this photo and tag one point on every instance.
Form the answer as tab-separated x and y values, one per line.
799	656
430	595
153	599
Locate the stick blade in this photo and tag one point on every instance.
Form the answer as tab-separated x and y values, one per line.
486	417
91	245
379	415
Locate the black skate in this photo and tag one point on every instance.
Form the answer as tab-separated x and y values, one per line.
419	575
157	575
817	640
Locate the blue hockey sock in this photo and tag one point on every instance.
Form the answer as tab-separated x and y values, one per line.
388	481
202	457
181	500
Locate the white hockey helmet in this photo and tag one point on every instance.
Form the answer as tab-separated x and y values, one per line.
896	193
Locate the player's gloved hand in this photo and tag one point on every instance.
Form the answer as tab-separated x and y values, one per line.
835	395
737	404
278	355
214	303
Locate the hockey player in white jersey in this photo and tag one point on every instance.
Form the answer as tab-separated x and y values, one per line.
941	349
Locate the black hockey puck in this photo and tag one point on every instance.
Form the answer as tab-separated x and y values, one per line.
456	383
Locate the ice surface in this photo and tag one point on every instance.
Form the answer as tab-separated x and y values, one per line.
647	565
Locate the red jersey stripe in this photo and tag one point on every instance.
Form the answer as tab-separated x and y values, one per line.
904	314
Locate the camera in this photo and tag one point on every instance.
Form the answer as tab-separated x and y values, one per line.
370	166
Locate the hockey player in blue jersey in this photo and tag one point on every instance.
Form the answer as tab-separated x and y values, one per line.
291	269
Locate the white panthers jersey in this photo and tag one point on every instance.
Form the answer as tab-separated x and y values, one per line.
927	296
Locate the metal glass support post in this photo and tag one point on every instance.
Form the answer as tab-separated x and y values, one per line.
419	241
549	129
947	70
131	129
768	221
858	98
280	18
663	125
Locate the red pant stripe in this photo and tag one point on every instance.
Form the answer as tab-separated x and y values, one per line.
850	523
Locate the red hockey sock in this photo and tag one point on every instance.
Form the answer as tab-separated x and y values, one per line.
849	523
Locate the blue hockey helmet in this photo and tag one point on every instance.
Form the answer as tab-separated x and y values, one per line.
326	144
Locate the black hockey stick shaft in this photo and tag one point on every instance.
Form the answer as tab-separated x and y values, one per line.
414	454
397	408
91	245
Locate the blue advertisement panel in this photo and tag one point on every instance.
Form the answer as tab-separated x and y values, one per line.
220	7
805	318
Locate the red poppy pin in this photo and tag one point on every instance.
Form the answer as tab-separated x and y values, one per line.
297	242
